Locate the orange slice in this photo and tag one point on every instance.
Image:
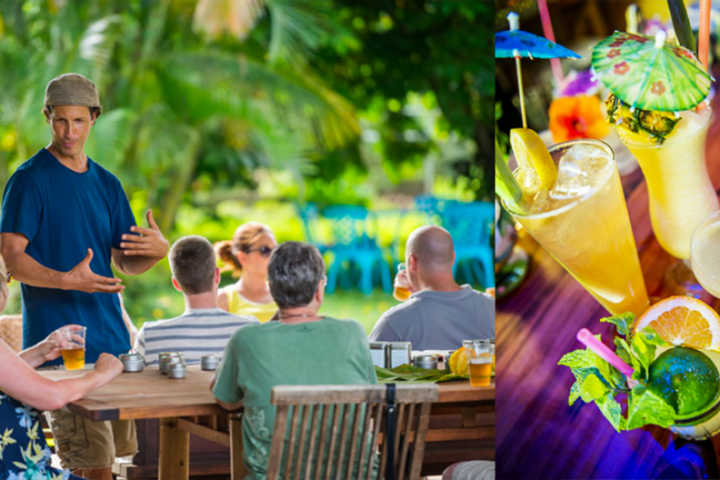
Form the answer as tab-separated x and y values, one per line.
683	321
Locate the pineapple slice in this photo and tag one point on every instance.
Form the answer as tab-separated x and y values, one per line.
647	125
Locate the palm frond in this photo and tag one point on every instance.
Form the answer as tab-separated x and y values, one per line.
298	28
234	17
206	84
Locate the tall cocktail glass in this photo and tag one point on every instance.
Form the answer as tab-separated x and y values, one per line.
679	188
584	224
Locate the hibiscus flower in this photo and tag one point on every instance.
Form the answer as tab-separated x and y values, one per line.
577	117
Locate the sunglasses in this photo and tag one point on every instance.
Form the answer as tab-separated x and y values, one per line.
264	251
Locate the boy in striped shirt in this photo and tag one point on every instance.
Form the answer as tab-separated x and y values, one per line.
204	328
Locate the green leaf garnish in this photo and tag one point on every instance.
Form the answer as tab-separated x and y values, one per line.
599	382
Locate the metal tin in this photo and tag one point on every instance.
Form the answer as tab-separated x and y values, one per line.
132	362
209	362
168	359
399	353
177	370
426	361
378	352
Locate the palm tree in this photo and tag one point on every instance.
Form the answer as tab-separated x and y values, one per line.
174	101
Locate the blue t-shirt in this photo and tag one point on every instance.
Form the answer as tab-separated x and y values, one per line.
63	213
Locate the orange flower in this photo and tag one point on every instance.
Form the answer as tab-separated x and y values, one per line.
577	117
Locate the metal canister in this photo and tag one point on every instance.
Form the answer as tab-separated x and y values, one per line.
132	362
399	353
426	361
209	362
170	358
177	370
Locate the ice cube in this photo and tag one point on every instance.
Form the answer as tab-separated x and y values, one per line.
581	168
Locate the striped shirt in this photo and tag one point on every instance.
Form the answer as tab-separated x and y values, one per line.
197	332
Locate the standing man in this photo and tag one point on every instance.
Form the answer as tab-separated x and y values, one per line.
440	314
64	219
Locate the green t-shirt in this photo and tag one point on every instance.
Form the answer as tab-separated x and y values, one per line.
259	357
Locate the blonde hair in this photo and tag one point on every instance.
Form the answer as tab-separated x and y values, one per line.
243	239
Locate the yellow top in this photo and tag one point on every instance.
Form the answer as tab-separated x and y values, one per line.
239	305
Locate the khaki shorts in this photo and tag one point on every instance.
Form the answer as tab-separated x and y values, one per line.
83	443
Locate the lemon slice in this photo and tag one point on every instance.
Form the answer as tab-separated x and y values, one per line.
537	169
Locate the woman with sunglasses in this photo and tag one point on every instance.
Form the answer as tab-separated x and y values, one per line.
247	255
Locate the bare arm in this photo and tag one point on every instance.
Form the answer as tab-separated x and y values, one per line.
47	350
27	270
140	252
132	329
222	300
227	406
21	382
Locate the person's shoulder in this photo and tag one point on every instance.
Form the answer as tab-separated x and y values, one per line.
105	175
482	297
344	324
32	169
408	307
242	319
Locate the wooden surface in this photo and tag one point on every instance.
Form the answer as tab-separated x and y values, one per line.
539	435
462	421
149	394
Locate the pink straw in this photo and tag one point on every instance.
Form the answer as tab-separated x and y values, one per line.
548	30
586	337
704	35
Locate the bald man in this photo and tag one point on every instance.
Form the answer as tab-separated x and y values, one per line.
440	314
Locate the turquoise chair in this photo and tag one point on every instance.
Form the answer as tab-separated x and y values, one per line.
310	217
470	225
353	246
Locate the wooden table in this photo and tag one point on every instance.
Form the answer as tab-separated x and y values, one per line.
462	421
540	436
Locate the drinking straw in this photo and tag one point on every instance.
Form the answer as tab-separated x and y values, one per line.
586	337
681	24
514	20
550	35
704	42
506	186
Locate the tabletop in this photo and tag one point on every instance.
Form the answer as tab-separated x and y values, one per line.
149	394
539	435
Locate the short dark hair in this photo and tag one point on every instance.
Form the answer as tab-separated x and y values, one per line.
94	111
294	273
192	262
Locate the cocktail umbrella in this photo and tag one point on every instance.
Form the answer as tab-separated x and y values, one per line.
649	74
515	43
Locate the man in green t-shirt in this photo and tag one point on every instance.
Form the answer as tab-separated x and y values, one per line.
301	348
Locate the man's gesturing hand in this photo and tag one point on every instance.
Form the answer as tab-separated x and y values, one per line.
83	279
150	243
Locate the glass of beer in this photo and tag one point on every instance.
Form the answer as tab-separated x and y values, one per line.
402	284
73	348
479	357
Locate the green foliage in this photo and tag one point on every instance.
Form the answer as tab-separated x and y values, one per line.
599	382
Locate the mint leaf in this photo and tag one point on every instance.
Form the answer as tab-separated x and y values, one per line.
574	392
643	345
623	350
622	322
645	407
577	359
593	386
612	411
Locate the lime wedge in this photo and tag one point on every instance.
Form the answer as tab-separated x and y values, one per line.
537	169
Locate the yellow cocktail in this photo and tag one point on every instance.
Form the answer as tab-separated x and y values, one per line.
679	188
584	224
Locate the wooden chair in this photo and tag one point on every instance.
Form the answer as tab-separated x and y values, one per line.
357	408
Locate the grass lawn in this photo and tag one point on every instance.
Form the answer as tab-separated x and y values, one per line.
353	305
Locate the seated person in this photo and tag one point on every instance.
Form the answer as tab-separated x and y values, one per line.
247	256
302	348
23	392
203	329
440	314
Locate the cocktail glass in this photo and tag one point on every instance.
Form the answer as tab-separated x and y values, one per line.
705	253
680	192
584	224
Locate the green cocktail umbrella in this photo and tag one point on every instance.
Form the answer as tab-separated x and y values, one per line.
647	73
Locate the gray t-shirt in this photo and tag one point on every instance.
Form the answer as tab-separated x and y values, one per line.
438	320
